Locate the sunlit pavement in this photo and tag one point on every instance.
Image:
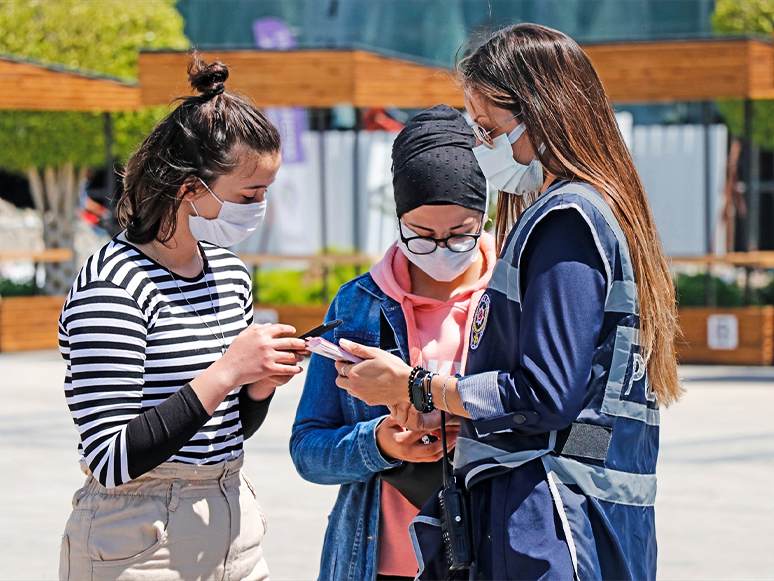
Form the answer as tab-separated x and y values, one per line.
715	507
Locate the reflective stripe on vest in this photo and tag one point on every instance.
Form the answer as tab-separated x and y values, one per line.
595	481
622	295
605	483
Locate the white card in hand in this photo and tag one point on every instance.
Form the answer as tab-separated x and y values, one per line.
327	349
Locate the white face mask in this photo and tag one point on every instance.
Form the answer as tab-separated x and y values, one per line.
442	264
234	223
505	173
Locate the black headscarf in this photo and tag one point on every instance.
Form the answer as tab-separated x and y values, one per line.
433	163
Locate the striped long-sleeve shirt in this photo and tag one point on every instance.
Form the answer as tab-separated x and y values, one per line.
131	340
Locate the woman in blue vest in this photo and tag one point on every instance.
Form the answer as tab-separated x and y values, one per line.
571	350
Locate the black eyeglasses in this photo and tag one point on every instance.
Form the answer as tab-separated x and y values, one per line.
427	245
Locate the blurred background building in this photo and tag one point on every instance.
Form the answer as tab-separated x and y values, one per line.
334	193
435	32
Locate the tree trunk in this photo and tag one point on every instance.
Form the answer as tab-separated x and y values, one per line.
55	196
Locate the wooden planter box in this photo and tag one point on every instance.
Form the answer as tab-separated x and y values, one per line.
727	336
302	317
29	323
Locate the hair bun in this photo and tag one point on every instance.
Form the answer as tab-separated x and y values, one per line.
209	80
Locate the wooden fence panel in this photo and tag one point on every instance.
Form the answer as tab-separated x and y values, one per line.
755	334
29	323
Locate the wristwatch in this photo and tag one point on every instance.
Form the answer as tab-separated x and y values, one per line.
418	392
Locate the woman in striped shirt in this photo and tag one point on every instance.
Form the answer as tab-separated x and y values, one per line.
166	374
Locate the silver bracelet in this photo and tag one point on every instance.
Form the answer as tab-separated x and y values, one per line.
443	393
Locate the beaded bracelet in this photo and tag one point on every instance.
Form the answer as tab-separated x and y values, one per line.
419	389
412	377
428	403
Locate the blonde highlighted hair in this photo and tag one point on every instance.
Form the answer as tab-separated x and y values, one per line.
544	76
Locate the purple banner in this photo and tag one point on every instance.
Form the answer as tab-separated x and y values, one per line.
275	34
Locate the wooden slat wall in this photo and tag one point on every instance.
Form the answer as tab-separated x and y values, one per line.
47	255
684	70
383	81
29	323
293	78
631	72
756	337
32	87
306	78
753	259
761	70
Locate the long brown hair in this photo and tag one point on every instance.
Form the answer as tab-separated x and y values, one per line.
544	76
203	137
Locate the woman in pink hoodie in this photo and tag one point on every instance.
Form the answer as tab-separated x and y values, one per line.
417	303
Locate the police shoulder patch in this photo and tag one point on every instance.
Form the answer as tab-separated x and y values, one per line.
479	321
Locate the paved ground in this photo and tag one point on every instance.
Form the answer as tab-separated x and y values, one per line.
715	510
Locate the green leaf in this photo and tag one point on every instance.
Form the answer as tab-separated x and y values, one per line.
98	36
746	17
743	17
102	37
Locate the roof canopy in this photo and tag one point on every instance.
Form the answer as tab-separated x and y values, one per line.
31	86
306	78
700	70
640	72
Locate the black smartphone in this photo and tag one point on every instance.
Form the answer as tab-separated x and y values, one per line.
321	329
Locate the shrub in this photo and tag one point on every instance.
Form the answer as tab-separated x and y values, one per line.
298	287
9	288
690	291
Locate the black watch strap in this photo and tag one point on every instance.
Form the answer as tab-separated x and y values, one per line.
418	388
417	392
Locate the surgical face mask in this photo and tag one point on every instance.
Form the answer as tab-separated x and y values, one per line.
441	264
505	173
234	223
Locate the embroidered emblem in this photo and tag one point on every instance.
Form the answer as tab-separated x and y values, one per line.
479	322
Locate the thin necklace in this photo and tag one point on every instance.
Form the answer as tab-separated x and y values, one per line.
222	340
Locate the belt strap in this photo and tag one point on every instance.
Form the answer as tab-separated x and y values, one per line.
583	441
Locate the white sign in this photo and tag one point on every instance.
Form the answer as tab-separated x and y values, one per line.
722	332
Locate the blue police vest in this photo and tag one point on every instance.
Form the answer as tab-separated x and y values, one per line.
610	451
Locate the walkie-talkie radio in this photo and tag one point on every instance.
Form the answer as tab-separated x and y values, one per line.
455	524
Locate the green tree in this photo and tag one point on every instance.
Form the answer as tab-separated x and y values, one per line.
746	17
54	149
743	16
101	36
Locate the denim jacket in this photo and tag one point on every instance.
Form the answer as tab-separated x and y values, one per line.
334	434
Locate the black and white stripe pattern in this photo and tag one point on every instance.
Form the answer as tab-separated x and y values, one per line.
131	340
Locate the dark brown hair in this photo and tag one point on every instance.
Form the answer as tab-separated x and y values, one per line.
204	136
546	77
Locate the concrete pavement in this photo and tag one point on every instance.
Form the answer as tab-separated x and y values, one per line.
715	510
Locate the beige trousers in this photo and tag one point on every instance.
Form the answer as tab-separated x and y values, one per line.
178	521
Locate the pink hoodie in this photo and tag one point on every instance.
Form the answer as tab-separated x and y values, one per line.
437	339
